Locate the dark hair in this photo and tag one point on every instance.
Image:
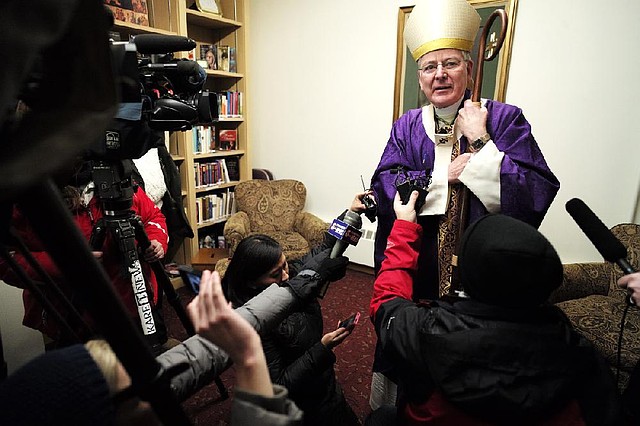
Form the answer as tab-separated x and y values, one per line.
254	256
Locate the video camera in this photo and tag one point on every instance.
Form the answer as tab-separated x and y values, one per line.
157	93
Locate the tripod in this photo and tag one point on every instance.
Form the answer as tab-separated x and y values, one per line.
115	192
125	228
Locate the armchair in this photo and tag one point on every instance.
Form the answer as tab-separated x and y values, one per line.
594	303
274	208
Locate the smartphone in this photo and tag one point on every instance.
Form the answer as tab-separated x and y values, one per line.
350	322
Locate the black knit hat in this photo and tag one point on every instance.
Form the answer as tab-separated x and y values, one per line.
61	387
506	262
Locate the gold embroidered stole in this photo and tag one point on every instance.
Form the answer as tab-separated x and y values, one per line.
448	232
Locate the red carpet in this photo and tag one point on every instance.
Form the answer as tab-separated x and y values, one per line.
354	355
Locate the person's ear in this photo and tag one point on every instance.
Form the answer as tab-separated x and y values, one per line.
470	74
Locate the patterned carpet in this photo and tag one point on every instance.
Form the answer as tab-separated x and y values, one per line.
354	355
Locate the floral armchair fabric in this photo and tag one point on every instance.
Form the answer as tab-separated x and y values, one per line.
274	208
595	304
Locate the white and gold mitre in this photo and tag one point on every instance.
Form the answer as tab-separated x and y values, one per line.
441	24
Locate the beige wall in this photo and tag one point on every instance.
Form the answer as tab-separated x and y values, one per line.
321	77
20	344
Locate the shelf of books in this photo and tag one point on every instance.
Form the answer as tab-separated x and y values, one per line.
215	155
212	158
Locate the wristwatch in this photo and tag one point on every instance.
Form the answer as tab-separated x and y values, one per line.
480	142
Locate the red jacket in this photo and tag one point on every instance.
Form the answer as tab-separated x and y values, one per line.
462	362
35	316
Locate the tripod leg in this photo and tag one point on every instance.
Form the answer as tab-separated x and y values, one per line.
173	297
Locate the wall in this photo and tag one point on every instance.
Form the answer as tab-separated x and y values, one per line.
20	344
321	77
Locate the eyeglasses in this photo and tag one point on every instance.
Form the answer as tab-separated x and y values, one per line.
448	65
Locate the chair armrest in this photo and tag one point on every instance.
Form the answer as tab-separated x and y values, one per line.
311	227
235	229
581	280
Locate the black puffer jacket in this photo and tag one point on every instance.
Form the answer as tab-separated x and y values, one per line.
299	361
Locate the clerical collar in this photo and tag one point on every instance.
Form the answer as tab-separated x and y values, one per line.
448	113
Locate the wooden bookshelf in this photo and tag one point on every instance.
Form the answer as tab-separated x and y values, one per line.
179	17
227	30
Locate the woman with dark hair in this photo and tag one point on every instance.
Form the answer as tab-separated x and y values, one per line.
299	356
268	266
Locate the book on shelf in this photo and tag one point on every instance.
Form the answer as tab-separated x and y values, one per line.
208	58
229	104
211	173
203	139
132	11
233	65
228	139
233	166
223	57
215	207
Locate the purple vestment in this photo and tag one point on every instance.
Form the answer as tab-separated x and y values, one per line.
527	185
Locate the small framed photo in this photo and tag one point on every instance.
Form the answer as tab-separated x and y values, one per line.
209	6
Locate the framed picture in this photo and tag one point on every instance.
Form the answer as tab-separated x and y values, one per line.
132	11
407	93
209	6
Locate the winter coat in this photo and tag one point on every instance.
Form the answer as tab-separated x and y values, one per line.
468	363
35	315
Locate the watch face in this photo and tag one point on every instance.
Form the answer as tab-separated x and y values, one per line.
477	144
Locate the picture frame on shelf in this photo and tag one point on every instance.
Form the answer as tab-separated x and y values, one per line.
130	11
209	6
208	57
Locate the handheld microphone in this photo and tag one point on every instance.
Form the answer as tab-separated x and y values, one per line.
602	238
346	231
158	44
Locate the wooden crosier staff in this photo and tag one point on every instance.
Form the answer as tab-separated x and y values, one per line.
484	54
492	51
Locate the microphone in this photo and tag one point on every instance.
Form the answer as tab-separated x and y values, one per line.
346	231
157	44
602	238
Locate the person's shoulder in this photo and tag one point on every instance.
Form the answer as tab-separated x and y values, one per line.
502	107
408	120
502	112
411	115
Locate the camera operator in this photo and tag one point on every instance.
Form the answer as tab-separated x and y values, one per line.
78	192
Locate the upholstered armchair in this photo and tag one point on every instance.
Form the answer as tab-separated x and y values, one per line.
274	208
594	303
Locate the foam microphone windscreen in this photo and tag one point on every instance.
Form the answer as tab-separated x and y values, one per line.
156	43
605	242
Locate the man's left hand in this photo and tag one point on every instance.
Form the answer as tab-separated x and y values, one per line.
457	166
